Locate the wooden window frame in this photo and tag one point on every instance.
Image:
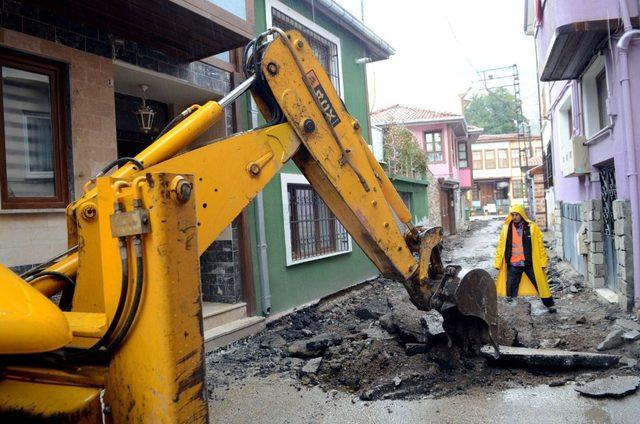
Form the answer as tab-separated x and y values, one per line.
424	143
57	83
514	157
506	152
484	154
480	152
466	151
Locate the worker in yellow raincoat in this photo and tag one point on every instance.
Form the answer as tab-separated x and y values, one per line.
521	259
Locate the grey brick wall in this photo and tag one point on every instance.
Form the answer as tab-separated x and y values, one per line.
624	252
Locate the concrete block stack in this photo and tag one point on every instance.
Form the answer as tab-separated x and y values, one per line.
624	253
592	218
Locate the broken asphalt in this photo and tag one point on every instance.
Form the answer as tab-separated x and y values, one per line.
368	355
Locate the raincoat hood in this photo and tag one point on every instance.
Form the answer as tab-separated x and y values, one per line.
519	209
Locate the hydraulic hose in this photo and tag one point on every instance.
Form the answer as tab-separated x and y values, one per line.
67	292
135	303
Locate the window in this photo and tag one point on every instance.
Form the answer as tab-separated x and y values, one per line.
433	146
477	159
517	189
463	161
490	159
594	97
602	93
548	168
524	161
311	229
476	191
325	45
515	162
503	158
32	143
406	198
538	151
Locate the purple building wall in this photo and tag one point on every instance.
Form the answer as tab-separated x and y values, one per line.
610	146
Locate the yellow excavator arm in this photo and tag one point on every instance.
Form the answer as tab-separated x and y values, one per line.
132	326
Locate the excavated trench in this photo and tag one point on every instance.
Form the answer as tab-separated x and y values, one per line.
372	342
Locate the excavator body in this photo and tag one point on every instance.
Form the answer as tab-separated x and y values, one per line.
128	343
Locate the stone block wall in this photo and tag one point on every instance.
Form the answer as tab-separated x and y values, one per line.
220	268
433	198
592	218
557	229
624	252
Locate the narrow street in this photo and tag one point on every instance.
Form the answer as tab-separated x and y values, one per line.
368	356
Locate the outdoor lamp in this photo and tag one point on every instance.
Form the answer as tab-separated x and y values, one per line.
145	114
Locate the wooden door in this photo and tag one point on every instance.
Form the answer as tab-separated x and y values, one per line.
444	210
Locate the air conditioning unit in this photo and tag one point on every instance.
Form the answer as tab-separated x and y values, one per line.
575	158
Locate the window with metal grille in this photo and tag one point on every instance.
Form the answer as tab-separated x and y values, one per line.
313	228
325	50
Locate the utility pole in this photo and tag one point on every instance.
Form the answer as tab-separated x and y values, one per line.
507	77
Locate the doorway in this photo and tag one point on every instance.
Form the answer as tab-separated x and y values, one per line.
609	194
131	139
447	211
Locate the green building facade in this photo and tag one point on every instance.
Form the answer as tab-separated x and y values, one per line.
309	255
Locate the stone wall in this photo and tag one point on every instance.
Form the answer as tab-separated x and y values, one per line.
433	196
557	229
624	252
220	268
592	218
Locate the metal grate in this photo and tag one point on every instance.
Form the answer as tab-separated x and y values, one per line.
609	194
315	231
325	50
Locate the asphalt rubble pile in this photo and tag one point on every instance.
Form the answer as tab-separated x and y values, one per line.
372	342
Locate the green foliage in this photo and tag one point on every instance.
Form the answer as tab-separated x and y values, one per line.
495	112
403	154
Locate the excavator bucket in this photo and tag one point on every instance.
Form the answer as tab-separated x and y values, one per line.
466	300
469	309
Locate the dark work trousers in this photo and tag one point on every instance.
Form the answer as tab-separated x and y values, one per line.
514	273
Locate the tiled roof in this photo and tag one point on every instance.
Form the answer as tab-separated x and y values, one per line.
535	161
406	114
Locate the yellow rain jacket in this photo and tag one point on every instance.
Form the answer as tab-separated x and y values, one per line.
539	259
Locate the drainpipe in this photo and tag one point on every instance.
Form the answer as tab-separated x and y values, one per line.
263	264
632	170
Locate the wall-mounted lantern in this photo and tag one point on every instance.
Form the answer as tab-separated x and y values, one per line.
145	114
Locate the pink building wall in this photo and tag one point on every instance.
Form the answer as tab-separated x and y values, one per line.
449	167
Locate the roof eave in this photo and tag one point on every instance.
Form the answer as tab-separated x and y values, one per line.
379	49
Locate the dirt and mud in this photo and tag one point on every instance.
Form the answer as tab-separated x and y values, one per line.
371	341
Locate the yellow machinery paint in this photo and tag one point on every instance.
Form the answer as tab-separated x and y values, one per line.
136	345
